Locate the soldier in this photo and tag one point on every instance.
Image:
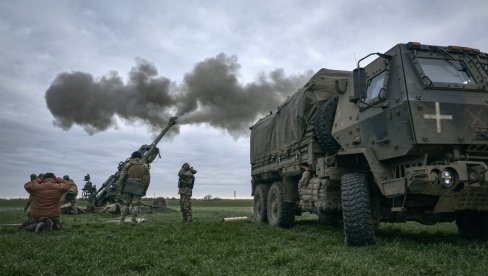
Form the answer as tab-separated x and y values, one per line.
45	208
27	204
133	183
306	175
303	182
70	196
185	185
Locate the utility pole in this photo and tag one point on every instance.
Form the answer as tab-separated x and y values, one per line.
234	195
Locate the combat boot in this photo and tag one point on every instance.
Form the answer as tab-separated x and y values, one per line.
49	224
39	227
29	227
135	211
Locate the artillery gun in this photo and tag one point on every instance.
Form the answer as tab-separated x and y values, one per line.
109	191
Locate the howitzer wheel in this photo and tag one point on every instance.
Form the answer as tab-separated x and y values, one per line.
279	212
472	225
159	203
356	210
259	204
323	126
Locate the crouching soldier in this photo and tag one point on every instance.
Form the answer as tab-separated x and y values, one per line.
45	208
70	196
133	183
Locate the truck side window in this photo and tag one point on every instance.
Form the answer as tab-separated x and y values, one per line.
375	85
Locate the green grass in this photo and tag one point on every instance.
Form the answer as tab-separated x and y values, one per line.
89	245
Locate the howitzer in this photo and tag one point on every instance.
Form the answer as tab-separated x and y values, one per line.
109	191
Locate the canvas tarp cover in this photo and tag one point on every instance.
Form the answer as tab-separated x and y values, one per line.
276	132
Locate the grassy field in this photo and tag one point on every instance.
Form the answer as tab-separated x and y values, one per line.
90	245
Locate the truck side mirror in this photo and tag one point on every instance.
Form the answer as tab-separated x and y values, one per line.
359	78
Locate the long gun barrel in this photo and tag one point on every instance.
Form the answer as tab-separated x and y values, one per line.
149	152
109	193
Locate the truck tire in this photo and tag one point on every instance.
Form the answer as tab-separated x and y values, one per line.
259	204
323	126
472	225
279	213
356	210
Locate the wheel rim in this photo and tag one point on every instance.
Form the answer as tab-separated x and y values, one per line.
258	207
274	207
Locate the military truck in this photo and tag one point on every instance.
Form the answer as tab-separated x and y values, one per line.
404	138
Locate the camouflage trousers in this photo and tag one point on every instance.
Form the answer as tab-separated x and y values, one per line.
40	224
185	206
73	205
135	201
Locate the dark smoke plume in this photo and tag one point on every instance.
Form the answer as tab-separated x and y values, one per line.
211	94
77	98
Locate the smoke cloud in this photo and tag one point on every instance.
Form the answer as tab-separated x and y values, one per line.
211	93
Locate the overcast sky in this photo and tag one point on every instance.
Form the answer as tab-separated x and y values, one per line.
41	39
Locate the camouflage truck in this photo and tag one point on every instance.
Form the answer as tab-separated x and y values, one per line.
403	139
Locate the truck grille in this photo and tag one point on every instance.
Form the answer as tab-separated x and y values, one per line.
481	135
399	169
478	152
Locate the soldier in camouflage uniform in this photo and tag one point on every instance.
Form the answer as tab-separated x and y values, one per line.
185	185
70	196
133	183
304	180
28	203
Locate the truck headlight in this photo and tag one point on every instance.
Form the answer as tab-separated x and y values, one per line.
447	178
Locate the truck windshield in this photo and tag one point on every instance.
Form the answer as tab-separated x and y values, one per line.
446	71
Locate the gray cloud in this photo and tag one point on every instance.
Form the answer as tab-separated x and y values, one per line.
40	39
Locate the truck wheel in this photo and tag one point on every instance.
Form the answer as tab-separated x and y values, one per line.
356	210
279	213
323	126
259	205
472	225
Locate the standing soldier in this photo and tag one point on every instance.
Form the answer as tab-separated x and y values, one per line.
27	204
45	208
185	185
70	196
303	182
133	183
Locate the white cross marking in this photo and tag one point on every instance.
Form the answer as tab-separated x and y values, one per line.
438	117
